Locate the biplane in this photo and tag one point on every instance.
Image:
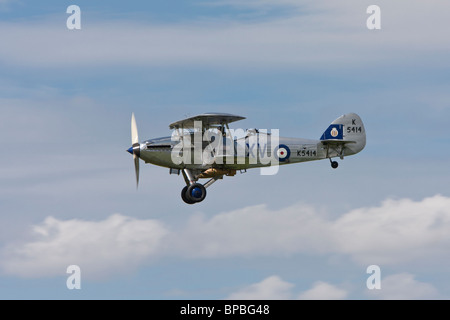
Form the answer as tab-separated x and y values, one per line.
204	147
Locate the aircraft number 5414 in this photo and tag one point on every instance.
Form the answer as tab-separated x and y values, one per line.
306	153
354	129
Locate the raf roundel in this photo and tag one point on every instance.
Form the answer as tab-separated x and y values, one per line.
282	153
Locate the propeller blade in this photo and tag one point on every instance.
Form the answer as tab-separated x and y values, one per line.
136	147
134	131
136	169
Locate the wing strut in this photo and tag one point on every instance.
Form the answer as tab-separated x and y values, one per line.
188	176
212	180
231	140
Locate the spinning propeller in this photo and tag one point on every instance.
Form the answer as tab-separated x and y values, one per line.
135	149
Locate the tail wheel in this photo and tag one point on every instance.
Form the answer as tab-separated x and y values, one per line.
184	196
196	192
334	164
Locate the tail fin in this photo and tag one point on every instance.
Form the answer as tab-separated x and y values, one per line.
347	131
333	132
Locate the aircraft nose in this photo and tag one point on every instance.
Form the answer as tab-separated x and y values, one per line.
130	150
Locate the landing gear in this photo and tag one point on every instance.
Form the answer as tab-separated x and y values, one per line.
193	193
334	164
184	197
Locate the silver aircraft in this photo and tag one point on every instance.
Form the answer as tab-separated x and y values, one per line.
204	147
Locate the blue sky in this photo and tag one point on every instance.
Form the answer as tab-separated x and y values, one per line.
67	185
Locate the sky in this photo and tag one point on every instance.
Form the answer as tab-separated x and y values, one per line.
68	194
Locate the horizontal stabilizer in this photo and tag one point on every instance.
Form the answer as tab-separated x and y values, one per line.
336	141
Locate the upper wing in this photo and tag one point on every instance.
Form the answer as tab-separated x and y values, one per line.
207	119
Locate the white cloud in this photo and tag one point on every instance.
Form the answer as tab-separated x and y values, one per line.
398	232
101	248
271	288
274	288
403	286
323	291
253	231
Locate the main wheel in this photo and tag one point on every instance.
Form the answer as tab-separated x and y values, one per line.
196	192
334	164
184	196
